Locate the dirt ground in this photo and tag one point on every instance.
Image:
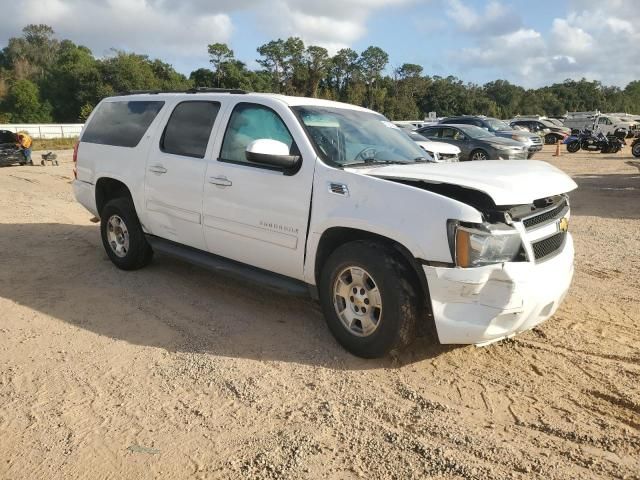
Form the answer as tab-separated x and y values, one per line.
174	372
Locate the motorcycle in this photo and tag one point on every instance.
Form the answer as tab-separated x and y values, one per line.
635	147
586	140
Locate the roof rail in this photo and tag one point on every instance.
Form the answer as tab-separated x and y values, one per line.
190	90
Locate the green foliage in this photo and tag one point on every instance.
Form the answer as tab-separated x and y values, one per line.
43	78
24	104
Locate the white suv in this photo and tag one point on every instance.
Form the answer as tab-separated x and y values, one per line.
312	196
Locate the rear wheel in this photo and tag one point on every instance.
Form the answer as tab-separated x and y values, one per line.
550	139
122	235
573	147
369	302
479	155
635	149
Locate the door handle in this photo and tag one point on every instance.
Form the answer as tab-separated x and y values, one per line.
220	181
159	169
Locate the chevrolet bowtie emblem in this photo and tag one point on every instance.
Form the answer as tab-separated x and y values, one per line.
563	224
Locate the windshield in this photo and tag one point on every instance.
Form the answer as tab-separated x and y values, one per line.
348	137
496	124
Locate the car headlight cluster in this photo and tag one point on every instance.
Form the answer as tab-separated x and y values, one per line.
505	147
483	244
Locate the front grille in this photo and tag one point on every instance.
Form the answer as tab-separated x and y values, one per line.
550	245
545	217
536	140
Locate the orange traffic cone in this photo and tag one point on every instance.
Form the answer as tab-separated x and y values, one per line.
557	154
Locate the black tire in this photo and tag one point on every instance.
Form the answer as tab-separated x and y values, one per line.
635	150
573	147
550	139
139	252
480	153
400	303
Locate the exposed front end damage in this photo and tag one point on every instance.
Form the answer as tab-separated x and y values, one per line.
484	304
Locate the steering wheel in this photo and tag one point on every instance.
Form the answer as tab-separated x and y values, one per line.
368	153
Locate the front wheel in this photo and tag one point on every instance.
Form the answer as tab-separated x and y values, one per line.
550	139
635	149
573	147
368	300
122	235
479	155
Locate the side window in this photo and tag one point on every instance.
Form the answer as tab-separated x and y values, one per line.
121	124
430	132
449	133
251	122
189	128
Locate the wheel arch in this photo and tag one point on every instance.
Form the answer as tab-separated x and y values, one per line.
108	188
334	237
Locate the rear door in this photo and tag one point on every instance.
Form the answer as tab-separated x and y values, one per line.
176	167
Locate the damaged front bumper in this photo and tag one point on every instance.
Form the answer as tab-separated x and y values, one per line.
485	304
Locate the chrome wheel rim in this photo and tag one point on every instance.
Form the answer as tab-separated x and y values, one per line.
479	156
118	236
357	301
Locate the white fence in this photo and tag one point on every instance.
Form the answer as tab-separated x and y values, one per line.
45	130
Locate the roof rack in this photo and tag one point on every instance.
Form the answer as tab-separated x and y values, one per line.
190	90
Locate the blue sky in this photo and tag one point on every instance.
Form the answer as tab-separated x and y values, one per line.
528	43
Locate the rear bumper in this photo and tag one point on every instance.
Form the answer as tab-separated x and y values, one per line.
480	305
85	195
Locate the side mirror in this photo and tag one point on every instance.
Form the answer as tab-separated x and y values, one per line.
266	151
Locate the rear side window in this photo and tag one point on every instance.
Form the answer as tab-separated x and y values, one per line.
189	128
121	124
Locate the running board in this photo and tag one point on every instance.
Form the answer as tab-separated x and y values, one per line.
240	271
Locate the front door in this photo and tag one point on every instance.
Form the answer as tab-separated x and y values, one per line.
457	138
255	214
175	174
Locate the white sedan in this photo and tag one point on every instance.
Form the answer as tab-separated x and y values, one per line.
438	152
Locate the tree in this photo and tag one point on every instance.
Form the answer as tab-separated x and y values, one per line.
408	71
31	55
73	82
317	59
273	60
202	77
372	62
341	70
219	54
24	104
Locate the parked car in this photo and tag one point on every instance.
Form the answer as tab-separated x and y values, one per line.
438	152
476	143
310	196
533	142
551	131
10	154
597	122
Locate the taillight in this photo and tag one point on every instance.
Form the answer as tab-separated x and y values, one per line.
75	160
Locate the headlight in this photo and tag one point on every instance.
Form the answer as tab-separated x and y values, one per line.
504	147
478	245
519	138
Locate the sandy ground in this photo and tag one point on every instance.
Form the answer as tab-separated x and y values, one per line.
174	372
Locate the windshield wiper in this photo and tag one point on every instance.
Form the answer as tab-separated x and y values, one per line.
368	163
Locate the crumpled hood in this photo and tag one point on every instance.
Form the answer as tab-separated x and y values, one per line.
507	182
